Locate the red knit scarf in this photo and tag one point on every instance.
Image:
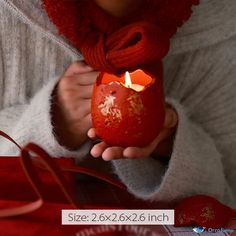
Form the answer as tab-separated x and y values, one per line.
114	45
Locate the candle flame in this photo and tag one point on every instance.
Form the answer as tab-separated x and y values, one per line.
128	82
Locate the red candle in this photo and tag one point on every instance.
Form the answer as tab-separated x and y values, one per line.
128	110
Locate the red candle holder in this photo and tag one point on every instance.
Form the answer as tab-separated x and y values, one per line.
128	110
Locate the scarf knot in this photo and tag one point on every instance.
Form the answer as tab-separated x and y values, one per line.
115	45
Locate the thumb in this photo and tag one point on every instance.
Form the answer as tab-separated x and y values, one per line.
171	118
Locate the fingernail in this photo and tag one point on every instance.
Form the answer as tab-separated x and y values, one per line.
94	154
125	155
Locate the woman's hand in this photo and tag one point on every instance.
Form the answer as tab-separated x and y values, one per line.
71	105
162	145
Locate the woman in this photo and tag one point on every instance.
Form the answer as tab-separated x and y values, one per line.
44	102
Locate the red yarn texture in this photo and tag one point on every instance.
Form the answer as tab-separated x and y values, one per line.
115	45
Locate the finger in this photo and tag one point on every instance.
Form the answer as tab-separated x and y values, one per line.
91	133
140	152
77	67
77	108
79	81
88	121
170	118
85	92
112	153
136	153
83	108
98	149
83	125
86	78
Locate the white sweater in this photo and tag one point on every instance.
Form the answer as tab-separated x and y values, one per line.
200	82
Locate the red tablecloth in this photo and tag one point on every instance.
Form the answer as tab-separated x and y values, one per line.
93	194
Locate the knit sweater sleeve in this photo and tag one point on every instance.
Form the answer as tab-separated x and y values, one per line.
31	122
202	160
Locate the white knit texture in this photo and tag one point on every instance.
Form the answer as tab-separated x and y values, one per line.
200	82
